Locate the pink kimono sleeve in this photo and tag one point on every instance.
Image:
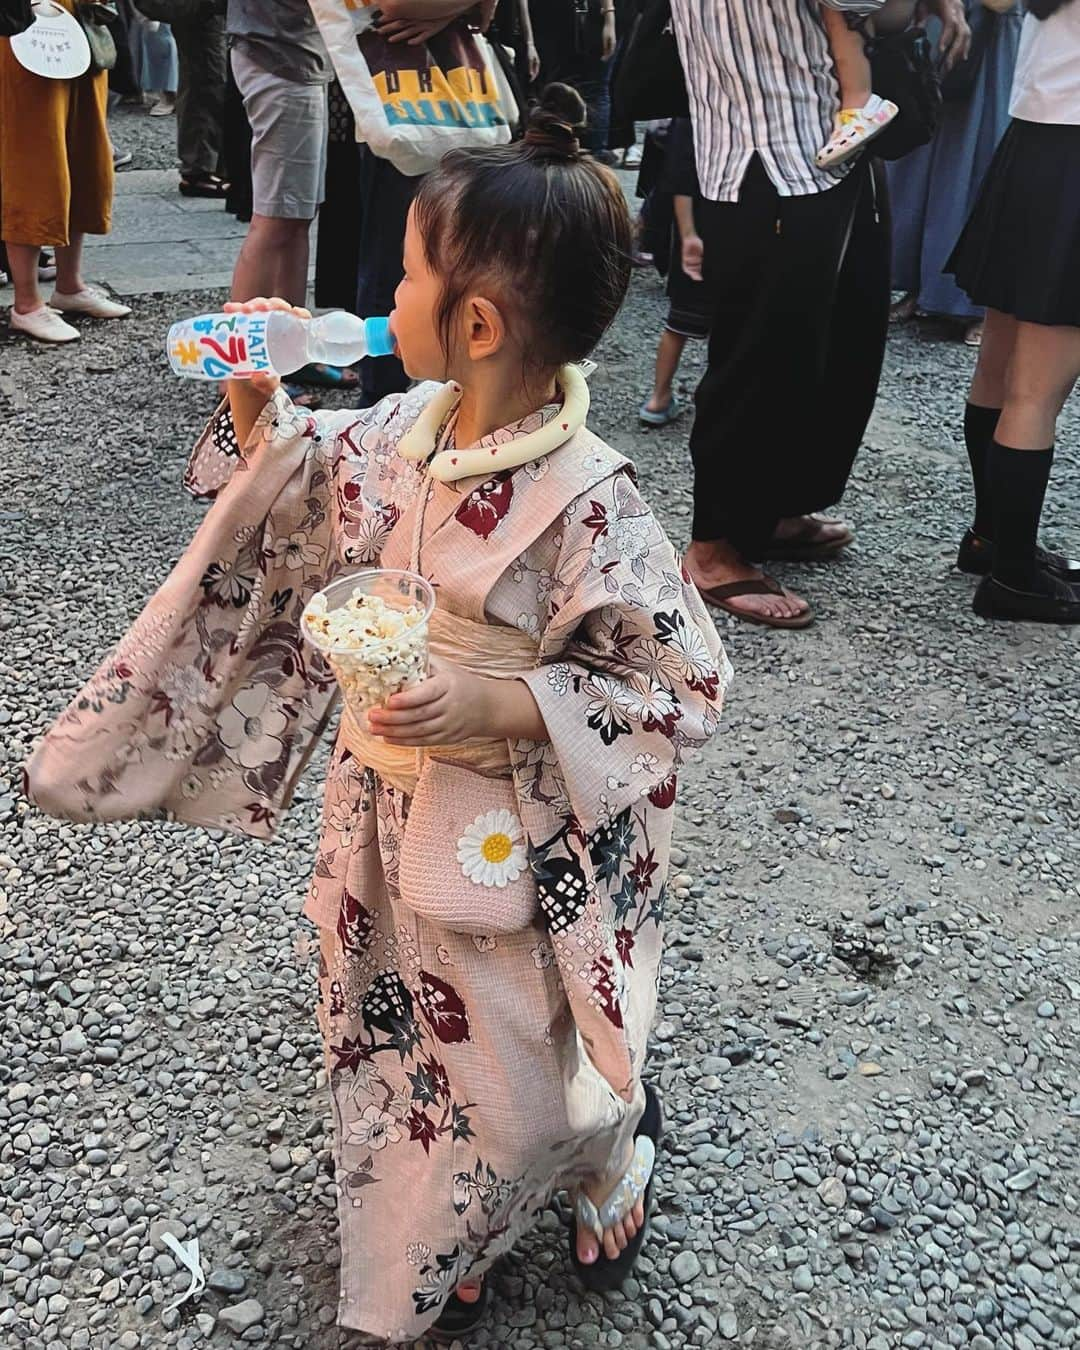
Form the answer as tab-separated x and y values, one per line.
630	682
209	707
633	672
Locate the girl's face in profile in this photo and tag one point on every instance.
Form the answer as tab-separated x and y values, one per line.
413	320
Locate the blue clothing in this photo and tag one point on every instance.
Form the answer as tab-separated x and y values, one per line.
934	188
154	54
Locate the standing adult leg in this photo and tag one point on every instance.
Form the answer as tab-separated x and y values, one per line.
981	413
1025	584
288	165
200	97
772	266
858	325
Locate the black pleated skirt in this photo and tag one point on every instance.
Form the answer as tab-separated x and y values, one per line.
1020	250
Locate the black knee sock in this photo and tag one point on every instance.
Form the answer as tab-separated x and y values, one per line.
1017	480
979	427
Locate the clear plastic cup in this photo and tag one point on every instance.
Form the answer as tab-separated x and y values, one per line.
370	672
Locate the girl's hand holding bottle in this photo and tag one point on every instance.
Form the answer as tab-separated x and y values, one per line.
248	397
453	705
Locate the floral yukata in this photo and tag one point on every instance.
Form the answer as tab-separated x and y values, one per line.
476	1065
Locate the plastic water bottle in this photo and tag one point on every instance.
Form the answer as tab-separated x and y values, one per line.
272	342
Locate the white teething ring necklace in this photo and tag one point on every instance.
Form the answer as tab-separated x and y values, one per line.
447	466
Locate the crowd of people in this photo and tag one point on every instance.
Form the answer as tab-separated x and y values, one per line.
575	659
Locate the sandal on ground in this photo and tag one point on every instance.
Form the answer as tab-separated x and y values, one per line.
635	1184
905	309
976	557
207	185
720	597
459	1318
973	334
661	417
1058	603
814	544
317	375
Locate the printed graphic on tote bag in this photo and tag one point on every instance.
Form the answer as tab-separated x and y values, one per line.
413	104
456	89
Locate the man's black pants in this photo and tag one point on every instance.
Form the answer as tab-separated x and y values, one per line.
800	299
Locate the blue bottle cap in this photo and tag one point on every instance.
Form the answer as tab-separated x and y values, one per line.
380	340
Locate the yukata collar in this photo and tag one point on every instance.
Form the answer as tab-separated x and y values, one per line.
447	466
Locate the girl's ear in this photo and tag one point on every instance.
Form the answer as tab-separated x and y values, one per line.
485	328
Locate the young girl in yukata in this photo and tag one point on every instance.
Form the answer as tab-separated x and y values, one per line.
863	115
490	881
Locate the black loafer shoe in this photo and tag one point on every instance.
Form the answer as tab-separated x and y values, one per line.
976	556
1060	603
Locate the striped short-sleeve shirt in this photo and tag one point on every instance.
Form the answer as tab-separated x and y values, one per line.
760	79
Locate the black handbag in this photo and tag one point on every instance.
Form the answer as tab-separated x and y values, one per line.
902	69
648	83
93	20
16	16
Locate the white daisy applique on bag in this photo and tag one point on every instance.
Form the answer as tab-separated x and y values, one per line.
492	850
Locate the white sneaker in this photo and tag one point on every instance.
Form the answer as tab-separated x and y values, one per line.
854	128
43	324
164	107
92	301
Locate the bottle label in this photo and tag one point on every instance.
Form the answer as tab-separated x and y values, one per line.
221	346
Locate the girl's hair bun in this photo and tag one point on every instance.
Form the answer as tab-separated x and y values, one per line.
556	122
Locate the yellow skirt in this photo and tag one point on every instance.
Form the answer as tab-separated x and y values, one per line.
56	172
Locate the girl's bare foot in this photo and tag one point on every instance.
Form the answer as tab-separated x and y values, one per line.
618	1236
470	1290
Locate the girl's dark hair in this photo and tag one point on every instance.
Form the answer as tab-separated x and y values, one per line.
542	223
1042	9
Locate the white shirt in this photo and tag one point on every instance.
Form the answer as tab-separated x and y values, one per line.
1046	86
760	79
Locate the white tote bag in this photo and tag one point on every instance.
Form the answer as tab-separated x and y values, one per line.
413	104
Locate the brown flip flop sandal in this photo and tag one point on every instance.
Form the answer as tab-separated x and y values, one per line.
719	596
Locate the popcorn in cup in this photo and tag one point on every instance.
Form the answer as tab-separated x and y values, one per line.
372	628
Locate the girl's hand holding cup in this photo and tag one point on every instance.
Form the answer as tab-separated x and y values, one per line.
454	705
449	707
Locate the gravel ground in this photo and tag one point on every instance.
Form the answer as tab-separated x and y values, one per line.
151	140
868	1040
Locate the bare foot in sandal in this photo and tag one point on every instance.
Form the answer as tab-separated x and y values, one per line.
618	1236
809	538
716	565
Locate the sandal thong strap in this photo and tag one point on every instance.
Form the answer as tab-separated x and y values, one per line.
628	1191
765	586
